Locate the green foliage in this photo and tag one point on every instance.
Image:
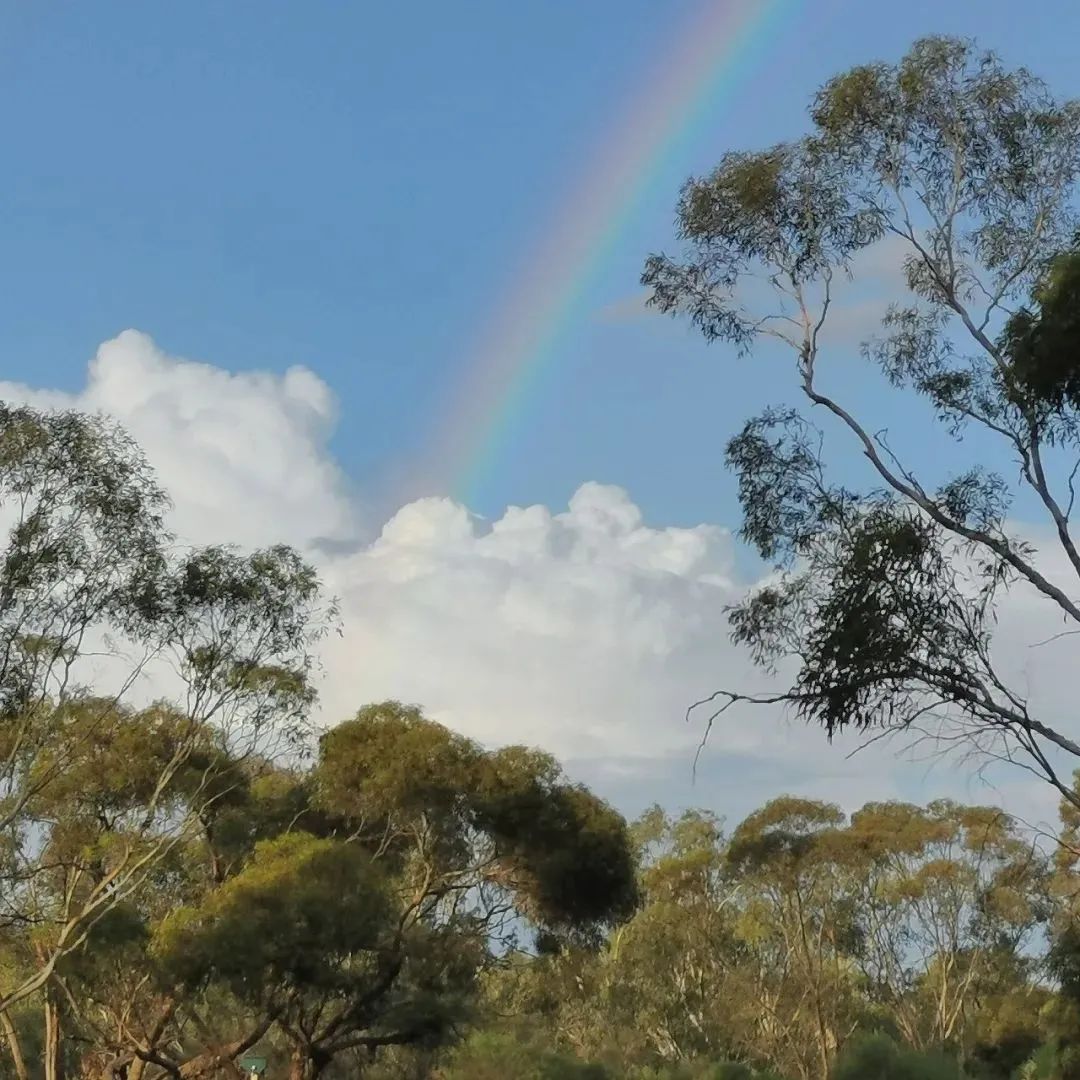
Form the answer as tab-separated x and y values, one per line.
325	949
1056	1059
967	173
491	1056
172	886
736	1071
566	849
784	837
391	768
286	921
876	1057
357	903
86	530
561	853
1043	345
785	206
195	879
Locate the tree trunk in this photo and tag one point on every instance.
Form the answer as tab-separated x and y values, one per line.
300	1065
12	1037
212	1063
54	1062
307	1063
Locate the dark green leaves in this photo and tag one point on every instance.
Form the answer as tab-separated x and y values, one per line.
785	502
507	819
1043	346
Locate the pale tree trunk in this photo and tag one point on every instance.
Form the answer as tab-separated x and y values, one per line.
54	1064
12	1036
822	1039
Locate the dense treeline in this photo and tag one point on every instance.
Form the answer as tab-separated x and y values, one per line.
191	874
316	913
902	941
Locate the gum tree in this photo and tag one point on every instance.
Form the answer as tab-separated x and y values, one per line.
362	900
99	612
884	597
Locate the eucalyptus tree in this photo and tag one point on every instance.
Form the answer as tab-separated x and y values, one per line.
952	901
353	906
796	997
129	667
885	595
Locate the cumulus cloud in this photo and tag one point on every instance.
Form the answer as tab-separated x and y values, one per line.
584	630
243	455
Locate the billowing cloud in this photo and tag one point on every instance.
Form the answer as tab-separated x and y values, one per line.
243	455
584	630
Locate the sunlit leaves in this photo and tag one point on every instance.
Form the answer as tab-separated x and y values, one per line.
300	905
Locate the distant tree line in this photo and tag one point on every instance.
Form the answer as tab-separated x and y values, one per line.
190	874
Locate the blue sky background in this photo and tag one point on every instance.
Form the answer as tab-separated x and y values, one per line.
350	186
353	187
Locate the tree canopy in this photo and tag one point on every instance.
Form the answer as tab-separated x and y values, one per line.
885	595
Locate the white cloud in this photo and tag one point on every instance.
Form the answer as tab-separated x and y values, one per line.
243	455
585	631
582	630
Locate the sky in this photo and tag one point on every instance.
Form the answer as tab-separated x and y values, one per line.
269	237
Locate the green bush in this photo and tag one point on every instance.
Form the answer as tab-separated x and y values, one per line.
877	1057
497	1056
726	1070
735	1070
1052	1061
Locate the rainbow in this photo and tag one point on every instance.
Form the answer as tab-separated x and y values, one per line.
702	66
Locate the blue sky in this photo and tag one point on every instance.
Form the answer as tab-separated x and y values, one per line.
350	186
